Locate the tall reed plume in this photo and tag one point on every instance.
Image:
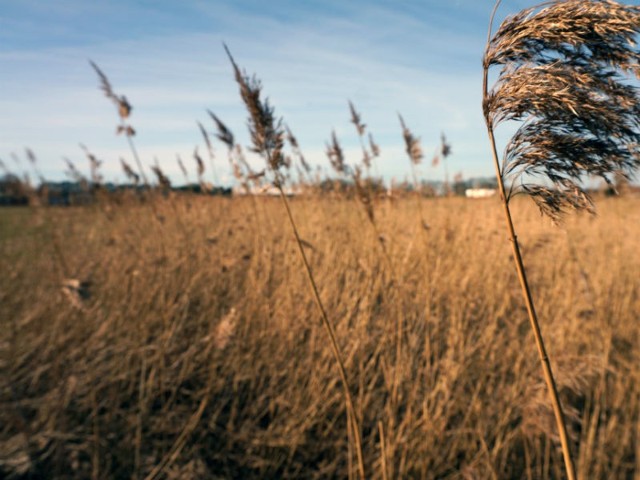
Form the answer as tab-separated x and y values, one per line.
564	75
124	111
267	136
415	154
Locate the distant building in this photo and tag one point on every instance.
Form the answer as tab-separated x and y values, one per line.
266	190
479	192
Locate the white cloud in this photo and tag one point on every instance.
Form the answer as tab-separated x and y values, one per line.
419	67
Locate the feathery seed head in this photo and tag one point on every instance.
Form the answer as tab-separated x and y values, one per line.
373	146
445	149
224	134
412	144
183	169
205	136
128	171
364	194
163	180
565	68
293	141
199	162
356	119
121	102
336	156
267	133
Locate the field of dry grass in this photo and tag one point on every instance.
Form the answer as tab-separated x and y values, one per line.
186	343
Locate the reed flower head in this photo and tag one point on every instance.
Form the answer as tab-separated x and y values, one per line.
445	147
199	162
163	180
364	194
565	70
205	136
73	172
94	166
183	169
336	155
293	142
412	143
267	132
356	119
224	134
121	102
128	171
373	146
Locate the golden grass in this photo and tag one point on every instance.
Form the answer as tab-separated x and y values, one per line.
198	351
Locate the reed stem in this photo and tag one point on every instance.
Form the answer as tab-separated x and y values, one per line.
331	332
526	293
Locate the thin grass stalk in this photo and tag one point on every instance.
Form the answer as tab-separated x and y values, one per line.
447	186
349	447
364	195
414	152
383	452
95	457
267	136
330	331
207	142
533	317
48	223
136	157
526	291
137	456
376	231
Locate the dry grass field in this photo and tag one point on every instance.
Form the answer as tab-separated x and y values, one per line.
185	342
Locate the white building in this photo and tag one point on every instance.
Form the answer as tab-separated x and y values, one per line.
479	192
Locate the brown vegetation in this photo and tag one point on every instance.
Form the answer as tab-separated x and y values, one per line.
152	334
191	348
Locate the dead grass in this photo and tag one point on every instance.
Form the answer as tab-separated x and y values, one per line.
199	349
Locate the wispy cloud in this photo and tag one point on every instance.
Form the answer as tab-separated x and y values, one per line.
422	59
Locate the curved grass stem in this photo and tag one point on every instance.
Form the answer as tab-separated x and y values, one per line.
522	276
526	293
332	336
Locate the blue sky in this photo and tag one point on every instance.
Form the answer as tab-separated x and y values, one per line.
419	58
